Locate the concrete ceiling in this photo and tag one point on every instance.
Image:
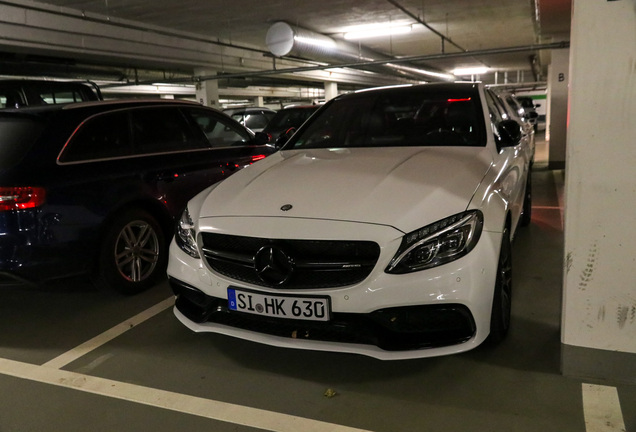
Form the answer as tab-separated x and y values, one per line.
229	37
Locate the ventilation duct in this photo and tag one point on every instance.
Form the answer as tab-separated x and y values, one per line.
285	40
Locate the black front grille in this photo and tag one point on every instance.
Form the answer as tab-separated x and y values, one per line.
299	264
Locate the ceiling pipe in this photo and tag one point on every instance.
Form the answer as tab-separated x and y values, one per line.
285	40
428	57
425	24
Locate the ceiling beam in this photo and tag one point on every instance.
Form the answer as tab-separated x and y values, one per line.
37	28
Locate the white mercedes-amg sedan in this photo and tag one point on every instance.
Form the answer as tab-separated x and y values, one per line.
382	227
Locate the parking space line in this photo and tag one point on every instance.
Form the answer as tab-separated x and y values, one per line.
602	409
94	343
207	408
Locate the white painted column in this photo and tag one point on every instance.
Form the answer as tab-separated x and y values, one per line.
331	90
599	301
557	109
259	101
207	92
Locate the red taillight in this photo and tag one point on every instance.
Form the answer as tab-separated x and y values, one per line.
458	100
257	158
20	198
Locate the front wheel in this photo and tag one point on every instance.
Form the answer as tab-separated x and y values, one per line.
502	298
133	254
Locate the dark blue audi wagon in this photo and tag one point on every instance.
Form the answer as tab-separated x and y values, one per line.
93	188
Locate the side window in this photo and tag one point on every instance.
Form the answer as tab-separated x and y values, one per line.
218	129
59	97
10	98
101	137
239	118
162	129
495	110
257	120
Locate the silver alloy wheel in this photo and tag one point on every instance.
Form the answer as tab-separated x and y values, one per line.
137	251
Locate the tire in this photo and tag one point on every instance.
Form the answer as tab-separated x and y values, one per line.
133	253
526	213
502	298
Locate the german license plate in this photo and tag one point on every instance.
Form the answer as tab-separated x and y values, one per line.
305	308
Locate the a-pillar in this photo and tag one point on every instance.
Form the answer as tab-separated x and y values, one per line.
331	90
207	90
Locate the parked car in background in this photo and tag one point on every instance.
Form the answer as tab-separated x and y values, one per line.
288	120
93	188
21	93
254	118
383	227
530	109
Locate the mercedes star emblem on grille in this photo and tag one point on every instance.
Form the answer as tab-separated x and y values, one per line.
273	265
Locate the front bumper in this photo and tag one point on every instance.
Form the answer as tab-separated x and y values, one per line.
439	311
390	329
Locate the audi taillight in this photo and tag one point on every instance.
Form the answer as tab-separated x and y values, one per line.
20	198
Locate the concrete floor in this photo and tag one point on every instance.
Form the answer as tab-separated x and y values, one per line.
73	358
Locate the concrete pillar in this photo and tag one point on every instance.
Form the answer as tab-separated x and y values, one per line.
599	301
207	92
331	90
557	109
259	101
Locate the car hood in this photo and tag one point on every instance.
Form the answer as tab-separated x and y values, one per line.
403	187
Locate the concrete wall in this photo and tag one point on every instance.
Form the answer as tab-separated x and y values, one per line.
599	307
556	120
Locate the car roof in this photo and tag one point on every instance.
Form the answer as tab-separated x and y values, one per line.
27	82
437	86
292	107
246	109
107	104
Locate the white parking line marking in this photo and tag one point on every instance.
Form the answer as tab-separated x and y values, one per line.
207	408
94	343
602	409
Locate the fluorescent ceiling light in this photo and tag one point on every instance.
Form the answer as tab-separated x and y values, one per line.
470	71
377	31
321	42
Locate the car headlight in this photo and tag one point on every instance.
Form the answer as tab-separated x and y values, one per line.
186	236
438	243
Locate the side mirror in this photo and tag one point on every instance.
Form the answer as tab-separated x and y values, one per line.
509	133
260	138
284	137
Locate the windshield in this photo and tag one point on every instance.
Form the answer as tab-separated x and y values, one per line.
400	117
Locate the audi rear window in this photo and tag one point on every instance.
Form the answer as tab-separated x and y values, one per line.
17	135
